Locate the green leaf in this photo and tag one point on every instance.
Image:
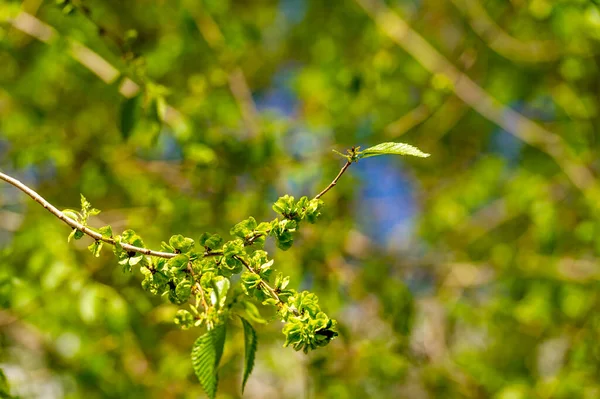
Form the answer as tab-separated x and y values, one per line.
211	241
85	205
250	344
250	281
95	247
183	290
184	319
284	205
70	213
129	237
157	109
220	288
179	262
134	260
206	355
106	231
130	115
392	149
76	234
244	228
181	243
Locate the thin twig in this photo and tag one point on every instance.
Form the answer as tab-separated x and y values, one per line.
266	286
76	225
198	285
262	283
334	182
128	247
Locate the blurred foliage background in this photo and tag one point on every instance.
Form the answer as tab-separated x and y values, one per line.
471	274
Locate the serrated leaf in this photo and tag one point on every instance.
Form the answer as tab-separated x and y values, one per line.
392	149
250	345
206	355
130	114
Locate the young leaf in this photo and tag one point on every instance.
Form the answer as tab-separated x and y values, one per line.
76	234
392	149
220	288
106	231
250	344
179	262
95	248
181	243
85	204
70	213
206	355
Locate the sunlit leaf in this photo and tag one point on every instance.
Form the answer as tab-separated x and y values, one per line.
250	345
206	355
392	149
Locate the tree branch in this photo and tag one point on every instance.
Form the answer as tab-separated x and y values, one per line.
128	247
76	225
263	284
334	182
479	99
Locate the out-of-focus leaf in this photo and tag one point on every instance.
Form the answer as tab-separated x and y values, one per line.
130	114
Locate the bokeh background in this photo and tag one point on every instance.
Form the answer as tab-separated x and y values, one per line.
470	274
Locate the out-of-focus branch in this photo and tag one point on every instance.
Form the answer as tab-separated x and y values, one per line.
238	84
500	41
476	97
75	224
243	96
407	121
33	27
436	121
444	119
109	240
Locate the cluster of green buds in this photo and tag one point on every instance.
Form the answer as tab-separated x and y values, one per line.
293	213
200	280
